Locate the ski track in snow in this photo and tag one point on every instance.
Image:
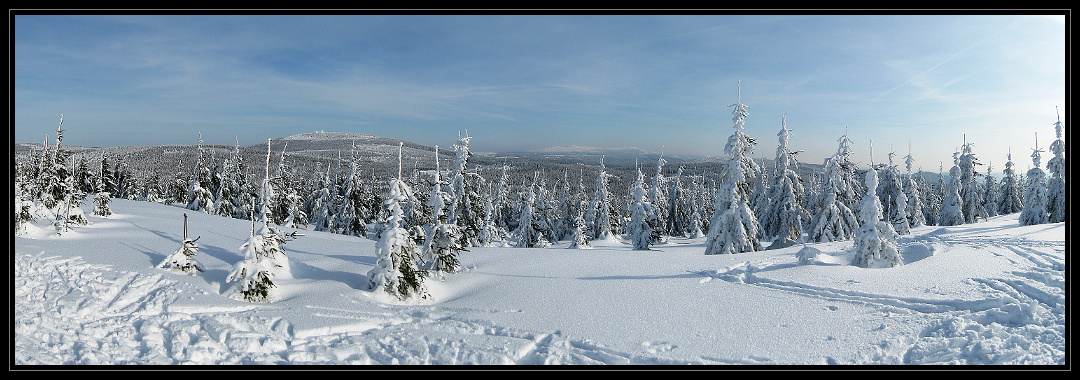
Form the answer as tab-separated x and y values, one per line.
1020	322
89	314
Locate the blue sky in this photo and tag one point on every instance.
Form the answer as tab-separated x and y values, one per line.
521	82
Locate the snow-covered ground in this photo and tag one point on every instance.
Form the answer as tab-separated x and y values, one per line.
991	292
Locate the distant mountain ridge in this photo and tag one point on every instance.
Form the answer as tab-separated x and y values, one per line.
314	153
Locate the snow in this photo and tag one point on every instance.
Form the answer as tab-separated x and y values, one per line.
991	292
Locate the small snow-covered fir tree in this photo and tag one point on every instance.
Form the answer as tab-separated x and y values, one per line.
639	229
677	210
527	235
183	260
544	211
1055	186
23	207
658	201
464	208
834	220
579	238
322	204
784	218
101	200
952	213
442	238
912	192
759	200
255	272
875	240
1011	199
227	195
101	205
264	261
501	213
199	195
490	235
444	248
84	180
891	192
396	271
990	192
696	223
68	211
733	227
600	212
969	189
1035	193
565	211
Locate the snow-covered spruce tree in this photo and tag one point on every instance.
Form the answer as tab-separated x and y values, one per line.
733	227
784	218
128	183
68	212
875	240
914	210
759	200
969	188
395	270
990	192
24	210
101	200
677	214
227	193
442	243
834	220
295	216
199	194
696	223
101	205
54	174
600	208
288	205
579	236
322	206
565	211
952	213
543	211
891	193
121	174
936	196
464	209
527	235
928	197
840	177
1011	198
490	235
264	261
1035	192
26	180
84	179
639	229
177	188
502	210
658	201
183	260
444	248
1055	186
153	192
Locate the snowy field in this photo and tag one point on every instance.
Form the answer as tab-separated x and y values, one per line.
991	292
